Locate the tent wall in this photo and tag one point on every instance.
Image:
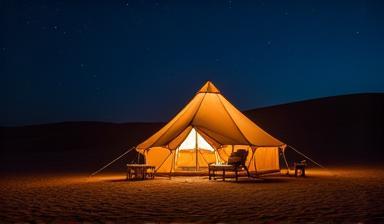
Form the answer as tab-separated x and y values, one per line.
186	159
161	158
262	159
267	159
183	160
206	157
225	151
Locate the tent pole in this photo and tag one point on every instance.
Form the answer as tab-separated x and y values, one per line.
173	164
138	158
250	161
285	160
216	157
254	161
196	148
175	157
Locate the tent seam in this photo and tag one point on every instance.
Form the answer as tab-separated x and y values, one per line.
189	124
198	130
215	132
226	110
269	135
184	138
174	124
201	102
163	161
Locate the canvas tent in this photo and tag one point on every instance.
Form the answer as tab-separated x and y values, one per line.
206	131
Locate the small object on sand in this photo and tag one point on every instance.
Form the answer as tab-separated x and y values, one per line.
140	171
300	168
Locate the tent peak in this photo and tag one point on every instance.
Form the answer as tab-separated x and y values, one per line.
208	87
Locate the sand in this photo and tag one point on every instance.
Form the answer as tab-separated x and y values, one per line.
336	196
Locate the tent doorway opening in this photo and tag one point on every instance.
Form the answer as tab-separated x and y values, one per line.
194	153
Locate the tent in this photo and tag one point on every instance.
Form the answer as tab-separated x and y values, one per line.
206	131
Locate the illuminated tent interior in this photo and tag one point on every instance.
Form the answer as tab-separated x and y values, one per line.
206	131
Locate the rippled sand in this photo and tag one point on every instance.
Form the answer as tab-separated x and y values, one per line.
338	195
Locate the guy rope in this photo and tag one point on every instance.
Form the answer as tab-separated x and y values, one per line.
302	154
110	163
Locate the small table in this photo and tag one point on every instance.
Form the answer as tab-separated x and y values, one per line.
140	171
219	167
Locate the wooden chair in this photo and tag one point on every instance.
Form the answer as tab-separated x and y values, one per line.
236	163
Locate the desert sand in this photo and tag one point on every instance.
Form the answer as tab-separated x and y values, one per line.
348	195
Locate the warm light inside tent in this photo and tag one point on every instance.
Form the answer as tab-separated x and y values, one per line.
193	138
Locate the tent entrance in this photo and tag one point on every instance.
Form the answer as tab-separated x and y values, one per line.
194	153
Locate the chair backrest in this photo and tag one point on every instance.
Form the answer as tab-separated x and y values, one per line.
238	158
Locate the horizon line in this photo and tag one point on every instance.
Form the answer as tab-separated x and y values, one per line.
159	122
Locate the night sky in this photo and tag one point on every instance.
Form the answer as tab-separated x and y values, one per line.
125	61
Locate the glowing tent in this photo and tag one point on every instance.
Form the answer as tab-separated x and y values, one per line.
206	131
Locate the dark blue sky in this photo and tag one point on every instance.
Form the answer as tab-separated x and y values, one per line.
143	60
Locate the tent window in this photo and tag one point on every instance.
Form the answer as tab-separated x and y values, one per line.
190	142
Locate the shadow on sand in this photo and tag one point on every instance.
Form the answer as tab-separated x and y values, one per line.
242	180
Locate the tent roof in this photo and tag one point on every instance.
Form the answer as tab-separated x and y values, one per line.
216	119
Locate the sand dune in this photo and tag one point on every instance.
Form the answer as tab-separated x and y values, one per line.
339	195
336	130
